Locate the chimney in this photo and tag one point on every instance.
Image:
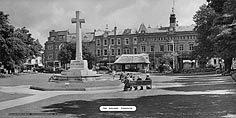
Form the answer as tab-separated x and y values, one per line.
115	28
106	27
51	32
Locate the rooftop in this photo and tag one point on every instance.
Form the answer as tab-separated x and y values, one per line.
142	29
132	58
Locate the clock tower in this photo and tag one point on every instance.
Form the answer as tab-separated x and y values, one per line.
172	19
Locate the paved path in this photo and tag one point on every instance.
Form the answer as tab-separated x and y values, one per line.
41	95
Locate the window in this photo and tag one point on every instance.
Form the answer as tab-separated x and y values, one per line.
50	56
118	41
56	47
214	61
105	42
98	52
50	47
143	39
112	42
152	48
143	48
126	41
181	47
61	37
135	40
98	42
126	51
105	52
170	47
162	48
135	50
190	46
52	38
112	51
118	51
56	55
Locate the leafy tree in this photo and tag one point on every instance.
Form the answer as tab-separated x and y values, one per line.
216	28
68	52
33	47
15	45
224	29
88	56
204	21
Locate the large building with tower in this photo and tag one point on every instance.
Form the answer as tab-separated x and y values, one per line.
173	42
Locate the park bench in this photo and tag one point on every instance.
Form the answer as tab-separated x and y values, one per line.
141	83
233	75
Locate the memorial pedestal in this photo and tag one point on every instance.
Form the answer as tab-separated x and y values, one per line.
78	71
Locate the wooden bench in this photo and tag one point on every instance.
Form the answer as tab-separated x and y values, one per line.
233	75
141	83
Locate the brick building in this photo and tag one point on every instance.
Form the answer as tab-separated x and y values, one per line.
56	40
173	41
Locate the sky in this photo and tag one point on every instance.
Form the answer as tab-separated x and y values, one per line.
42	16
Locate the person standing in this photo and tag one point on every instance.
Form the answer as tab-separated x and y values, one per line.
113	74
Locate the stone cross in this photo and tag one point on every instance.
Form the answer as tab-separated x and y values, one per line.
78	35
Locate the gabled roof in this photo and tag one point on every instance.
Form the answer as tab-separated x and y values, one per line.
132	58
142	28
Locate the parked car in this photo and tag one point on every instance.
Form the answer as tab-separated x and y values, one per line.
40	69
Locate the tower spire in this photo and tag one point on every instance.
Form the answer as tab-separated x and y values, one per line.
172	18
173	7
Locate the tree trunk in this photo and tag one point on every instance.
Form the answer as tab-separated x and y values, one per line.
228	64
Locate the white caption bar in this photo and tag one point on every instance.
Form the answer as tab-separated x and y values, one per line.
117	108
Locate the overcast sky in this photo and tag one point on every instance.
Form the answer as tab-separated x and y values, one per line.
42	16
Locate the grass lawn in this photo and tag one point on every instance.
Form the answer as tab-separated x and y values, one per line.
25	79
162	106
7	96
147	102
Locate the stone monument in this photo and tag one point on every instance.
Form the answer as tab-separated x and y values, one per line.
78	67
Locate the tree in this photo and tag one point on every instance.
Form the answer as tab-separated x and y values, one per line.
16	45
68	51
224	29
216	29
204	21
88	56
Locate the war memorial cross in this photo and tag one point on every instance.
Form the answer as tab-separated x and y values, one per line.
78	22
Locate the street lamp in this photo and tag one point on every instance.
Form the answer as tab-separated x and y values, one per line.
109	51
154	56
172	41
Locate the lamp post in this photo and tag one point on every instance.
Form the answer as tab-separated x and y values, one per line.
109	51
154	56
172	41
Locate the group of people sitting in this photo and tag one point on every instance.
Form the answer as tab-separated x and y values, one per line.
128	78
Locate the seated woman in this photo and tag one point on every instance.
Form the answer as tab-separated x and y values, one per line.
148	78
126	81
140	79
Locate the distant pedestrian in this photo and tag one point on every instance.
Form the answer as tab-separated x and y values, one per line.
121	75
148	78
113	74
